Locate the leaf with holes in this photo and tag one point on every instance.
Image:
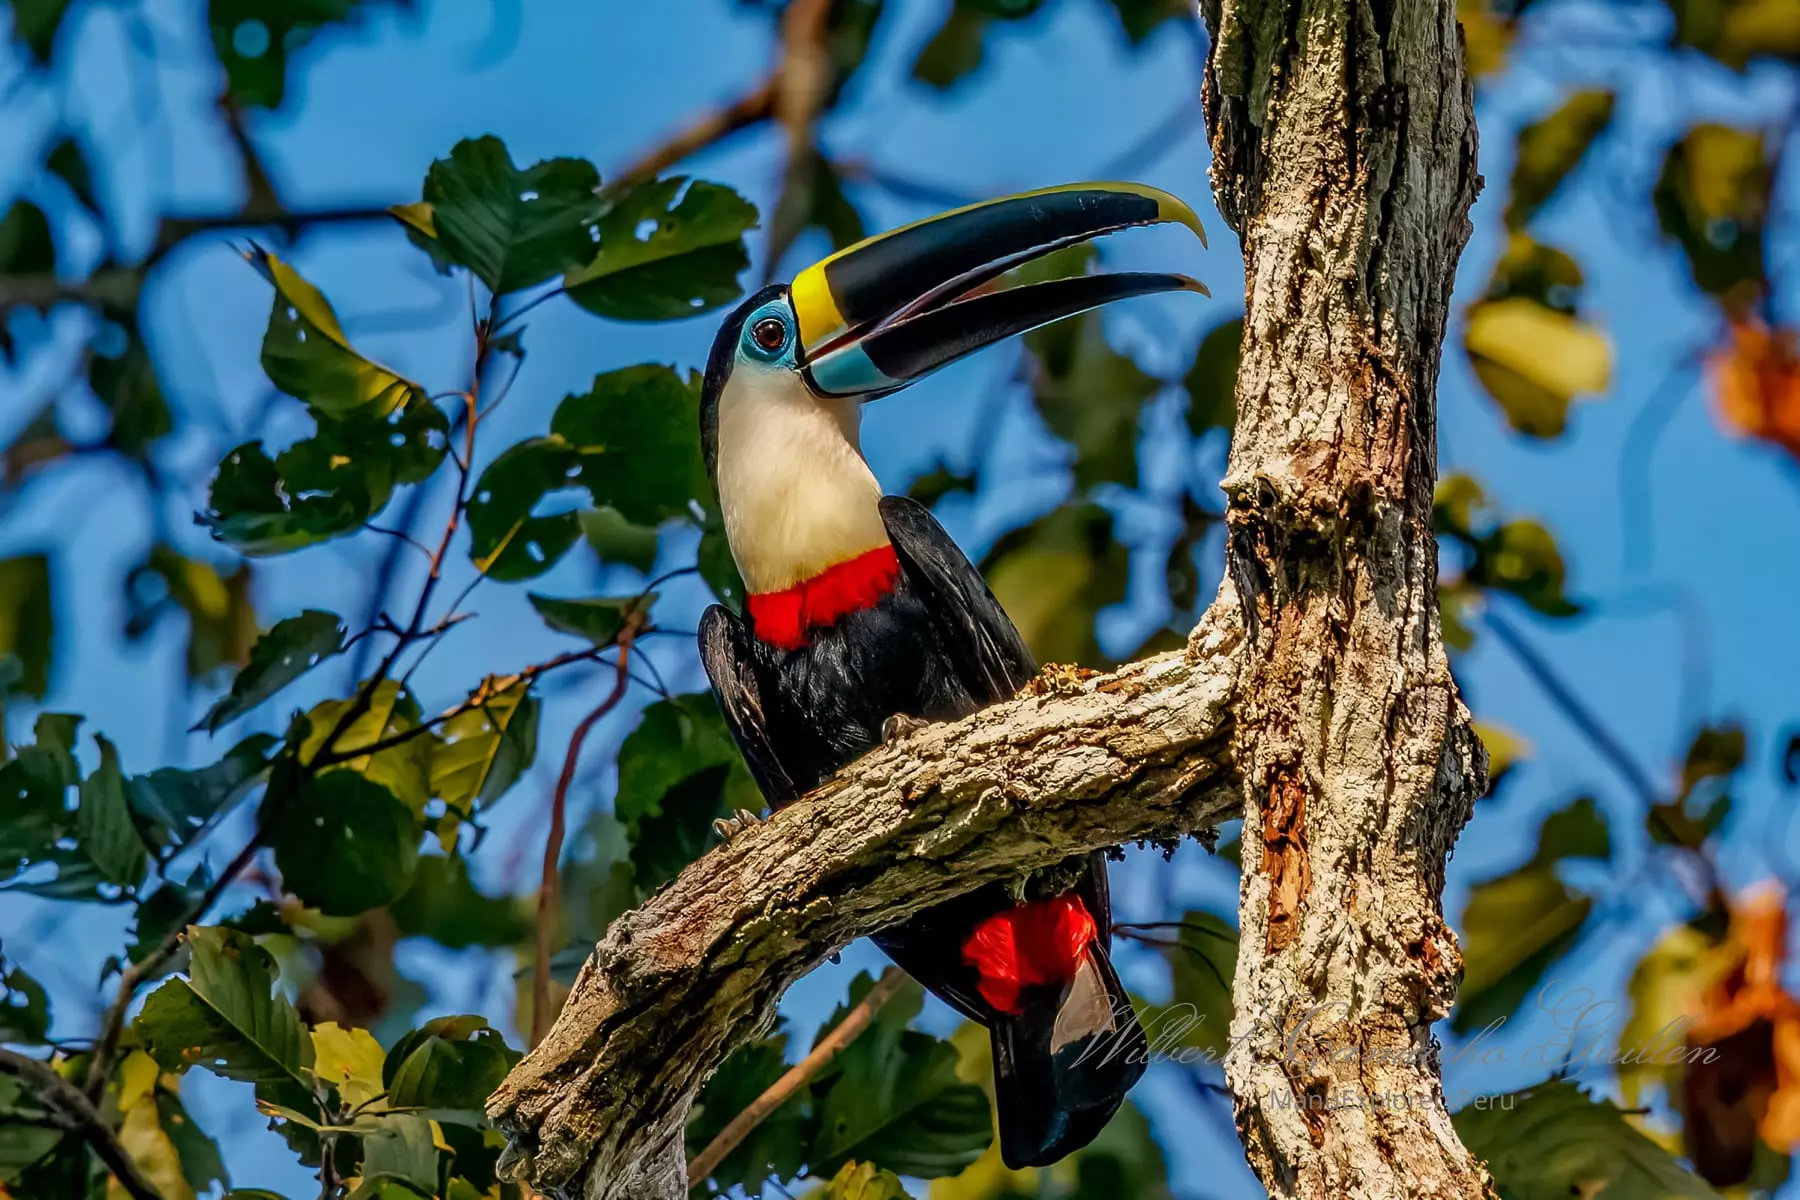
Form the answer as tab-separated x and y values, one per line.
24	1007
661	259
506	541
345	845
228	1017
513	228
306	353
289	650
403	769
477	755
636	431
325	486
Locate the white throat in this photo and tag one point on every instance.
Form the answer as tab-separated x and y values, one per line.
796	493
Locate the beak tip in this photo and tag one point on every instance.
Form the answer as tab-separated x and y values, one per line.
1172	209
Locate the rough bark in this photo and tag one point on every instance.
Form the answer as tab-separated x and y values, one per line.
1344	154
597	1109
1314	698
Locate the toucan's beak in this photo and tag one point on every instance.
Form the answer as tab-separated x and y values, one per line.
891	309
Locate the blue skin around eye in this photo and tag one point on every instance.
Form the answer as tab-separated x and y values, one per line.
749	351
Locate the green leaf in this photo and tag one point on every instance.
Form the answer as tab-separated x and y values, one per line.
306	353
598	620
678	770
103	823
24	1144
401	1149
350	1060
26	247
127	386
1212	380
280	656
38	781
253	39
954	50
403	769
325	486
67	163
637	434
476	756
1550	149
220	615
893	1098
661	259
1535	360
164	911
1551	1142
450	1062
617	540
1703	805
1202	964
28	618
1514	928
421	230
512	228
228	1017
444	905
1713	199
1053	575
860	1181
1141	18
1092	397
345	845
632	440
717	565
24	1007
1736	32
1577	830
201	1163
813	195
35	23
776	1147
173	805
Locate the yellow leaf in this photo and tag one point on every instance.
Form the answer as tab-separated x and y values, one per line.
351	1059
1535	360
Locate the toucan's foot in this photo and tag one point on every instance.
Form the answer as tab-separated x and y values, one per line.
729	827
899	727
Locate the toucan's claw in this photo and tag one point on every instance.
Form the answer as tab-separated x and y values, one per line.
899	727
729	827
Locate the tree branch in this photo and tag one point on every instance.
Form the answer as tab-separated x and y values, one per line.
70	1110
752	108
597	1109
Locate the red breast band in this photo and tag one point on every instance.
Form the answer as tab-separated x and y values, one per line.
1034	944
787	618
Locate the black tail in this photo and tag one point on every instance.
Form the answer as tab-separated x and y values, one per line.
1062	1067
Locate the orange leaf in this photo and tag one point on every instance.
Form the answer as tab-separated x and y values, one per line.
1756	380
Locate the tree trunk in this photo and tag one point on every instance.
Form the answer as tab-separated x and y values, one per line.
1344	155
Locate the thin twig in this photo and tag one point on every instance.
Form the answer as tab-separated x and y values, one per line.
752	108
548	889
72	1111
847	1031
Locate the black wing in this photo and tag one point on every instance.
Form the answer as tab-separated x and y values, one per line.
991	657
724	648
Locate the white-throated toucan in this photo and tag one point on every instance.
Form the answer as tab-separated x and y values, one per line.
861	609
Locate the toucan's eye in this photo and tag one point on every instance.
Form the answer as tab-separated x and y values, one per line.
770	334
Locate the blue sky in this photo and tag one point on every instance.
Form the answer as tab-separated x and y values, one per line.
371	108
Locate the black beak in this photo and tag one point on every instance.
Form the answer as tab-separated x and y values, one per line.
889	310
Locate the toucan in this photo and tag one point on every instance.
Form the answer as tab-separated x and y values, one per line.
862	617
